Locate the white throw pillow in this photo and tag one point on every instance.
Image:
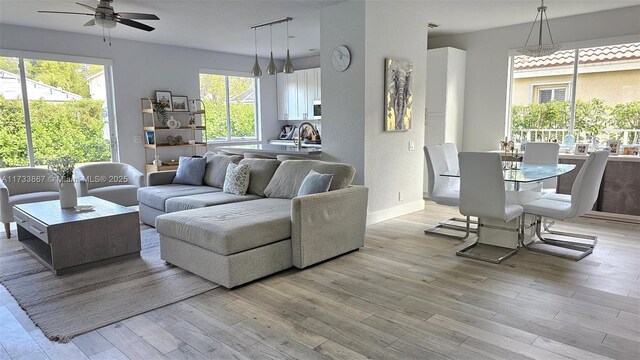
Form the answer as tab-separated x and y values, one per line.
237	179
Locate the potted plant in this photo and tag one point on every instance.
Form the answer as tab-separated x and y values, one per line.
161	110
63	169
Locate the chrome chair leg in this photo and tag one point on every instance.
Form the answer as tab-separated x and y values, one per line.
464	251
437	230
584	249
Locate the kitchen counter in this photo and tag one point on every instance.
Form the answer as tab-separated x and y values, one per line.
292	143
271	150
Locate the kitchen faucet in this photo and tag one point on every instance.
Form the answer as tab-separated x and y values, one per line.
301	134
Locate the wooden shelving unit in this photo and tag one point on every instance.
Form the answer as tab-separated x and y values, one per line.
151	124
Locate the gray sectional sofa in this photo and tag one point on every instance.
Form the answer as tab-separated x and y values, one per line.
232	240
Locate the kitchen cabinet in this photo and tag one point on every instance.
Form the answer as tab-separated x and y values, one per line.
296	93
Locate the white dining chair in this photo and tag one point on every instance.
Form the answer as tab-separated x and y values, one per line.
584	193
451	156
544	153
482	194
441	191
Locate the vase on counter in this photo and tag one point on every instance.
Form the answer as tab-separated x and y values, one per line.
68	194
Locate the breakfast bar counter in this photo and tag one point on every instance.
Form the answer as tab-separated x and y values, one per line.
269	149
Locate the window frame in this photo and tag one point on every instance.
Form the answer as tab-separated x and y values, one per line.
571	95
21	55
256	104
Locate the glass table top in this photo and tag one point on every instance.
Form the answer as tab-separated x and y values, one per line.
528	172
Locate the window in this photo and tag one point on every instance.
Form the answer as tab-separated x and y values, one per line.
231	105
52	108
605	106
549	94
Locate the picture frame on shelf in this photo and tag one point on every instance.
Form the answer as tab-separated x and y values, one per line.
150	136
163	97
180	103
581	149
614	147
633	150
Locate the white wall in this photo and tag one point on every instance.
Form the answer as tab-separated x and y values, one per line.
309	62
138	70
487	61
353	101
343	93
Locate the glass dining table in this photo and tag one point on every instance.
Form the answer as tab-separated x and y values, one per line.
526	173
515	178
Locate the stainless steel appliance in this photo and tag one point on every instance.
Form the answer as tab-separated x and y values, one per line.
317	109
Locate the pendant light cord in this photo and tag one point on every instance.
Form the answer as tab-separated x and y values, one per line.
287	35
255	40
271	37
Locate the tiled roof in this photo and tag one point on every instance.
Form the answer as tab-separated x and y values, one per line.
587	56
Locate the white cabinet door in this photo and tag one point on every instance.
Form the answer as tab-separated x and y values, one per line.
312	94
292	97
283	97
301	77
436	81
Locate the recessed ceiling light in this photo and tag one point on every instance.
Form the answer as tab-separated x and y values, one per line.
432	26
313	49
292	36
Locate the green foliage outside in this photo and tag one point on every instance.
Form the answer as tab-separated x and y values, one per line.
593	118
71	128
213	93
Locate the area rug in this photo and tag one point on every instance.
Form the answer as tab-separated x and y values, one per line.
68	305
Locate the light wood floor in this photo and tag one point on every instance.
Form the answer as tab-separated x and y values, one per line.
404	295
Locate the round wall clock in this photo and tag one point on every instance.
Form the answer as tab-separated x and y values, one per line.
341	58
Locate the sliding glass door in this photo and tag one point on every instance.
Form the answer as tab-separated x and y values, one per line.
54	108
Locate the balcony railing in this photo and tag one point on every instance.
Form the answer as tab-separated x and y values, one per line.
626	136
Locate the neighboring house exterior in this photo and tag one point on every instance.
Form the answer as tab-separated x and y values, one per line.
609	73
98	91
10	89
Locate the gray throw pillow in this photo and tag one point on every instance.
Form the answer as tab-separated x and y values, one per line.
190	171
237	179
216	169
262	171
315	183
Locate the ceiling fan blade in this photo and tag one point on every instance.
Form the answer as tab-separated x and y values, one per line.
90	22
87	6
135	24
130	15
63	12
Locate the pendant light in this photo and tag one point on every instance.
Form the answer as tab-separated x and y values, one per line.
541	49
271	68
256	71
288	66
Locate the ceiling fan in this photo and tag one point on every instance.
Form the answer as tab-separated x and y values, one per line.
105	17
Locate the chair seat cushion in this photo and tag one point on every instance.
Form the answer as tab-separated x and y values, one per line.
512	212
33	197
549	208
230	228
156	196
124	195
557	197
183	203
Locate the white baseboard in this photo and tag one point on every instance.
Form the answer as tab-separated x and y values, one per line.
396	211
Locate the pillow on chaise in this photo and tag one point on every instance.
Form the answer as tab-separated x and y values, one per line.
262	171
236	180
315	183
216	168
190	170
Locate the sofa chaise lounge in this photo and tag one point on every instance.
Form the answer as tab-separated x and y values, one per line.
232	240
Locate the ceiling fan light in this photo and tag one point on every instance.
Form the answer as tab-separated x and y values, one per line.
256	71
271	68
105	22
288	65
